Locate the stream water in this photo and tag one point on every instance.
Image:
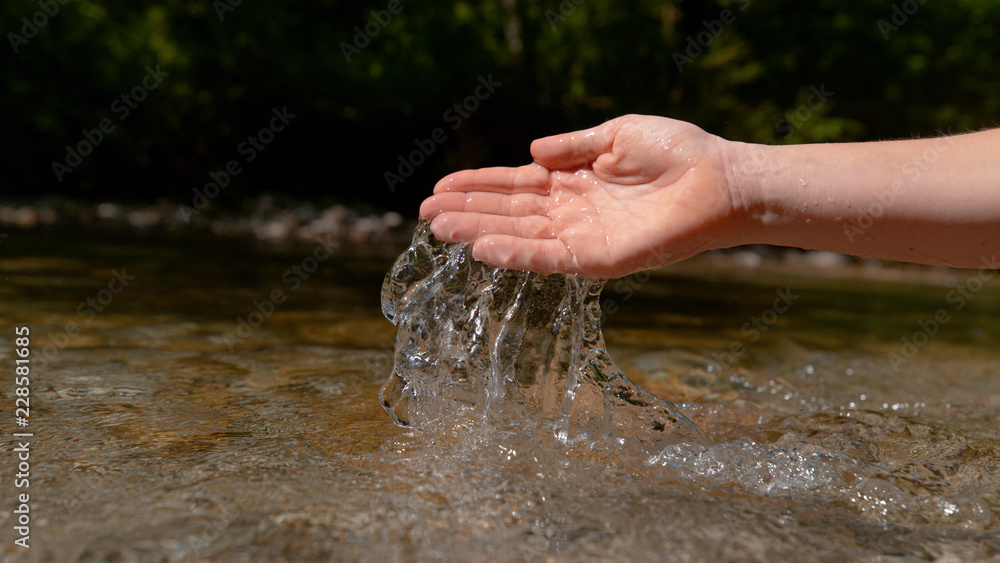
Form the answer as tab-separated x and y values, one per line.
221	401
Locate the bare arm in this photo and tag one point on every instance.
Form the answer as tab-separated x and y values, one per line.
639	192
932	201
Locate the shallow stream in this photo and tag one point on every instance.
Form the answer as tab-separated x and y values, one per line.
224	405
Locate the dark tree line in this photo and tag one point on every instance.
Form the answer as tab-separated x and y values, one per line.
388	96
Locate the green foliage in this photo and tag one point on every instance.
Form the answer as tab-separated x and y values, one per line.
562	66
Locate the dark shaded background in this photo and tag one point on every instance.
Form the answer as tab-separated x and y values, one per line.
562	66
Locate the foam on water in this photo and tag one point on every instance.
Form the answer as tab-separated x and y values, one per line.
510	350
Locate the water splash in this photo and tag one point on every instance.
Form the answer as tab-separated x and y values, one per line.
504	350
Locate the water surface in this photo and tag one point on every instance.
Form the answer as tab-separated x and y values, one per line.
164	432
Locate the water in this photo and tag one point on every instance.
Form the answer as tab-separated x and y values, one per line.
157	439
518	351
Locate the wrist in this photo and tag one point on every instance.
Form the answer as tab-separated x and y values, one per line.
749	173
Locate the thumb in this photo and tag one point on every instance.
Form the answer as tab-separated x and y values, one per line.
573	150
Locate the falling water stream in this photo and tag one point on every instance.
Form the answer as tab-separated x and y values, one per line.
519	351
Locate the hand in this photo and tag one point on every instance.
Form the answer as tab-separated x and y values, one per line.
634	193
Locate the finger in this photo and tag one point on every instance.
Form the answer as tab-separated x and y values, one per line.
530	178
576	149
512	205
545	256
458	227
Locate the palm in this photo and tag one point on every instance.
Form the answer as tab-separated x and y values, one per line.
635	193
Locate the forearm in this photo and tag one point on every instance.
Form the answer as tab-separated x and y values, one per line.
932	201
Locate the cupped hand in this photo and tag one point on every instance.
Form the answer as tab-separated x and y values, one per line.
634	193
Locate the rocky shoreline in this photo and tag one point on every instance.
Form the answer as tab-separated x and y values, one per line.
269	221
262	218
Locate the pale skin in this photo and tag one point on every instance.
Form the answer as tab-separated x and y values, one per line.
640	192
